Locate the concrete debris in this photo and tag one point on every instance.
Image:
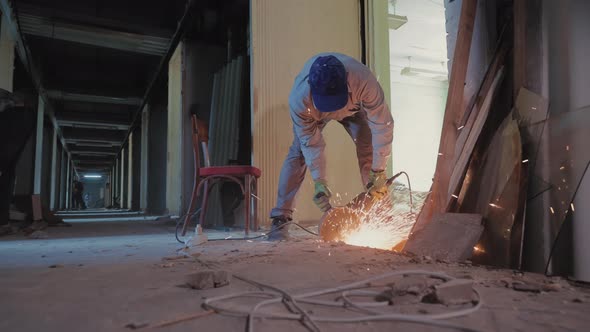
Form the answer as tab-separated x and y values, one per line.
524	287
408	290
552	287
136	326
456	291
174	258
208	279
450	237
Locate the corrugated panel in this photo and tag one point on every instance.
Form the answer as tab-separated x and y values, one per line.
224	125
284	35
47	27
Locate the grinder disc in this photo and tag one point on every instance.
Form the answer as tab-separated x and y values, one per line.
339	221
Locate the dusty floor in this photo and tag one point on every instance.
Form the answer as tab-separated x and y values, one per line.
104	275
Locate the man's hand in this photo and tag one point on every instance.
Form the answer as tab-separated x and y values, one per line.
322	195
377	186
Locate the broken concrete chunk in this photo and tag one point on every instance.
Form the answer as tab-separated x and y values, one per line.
449	237
456	291
522	287
208	279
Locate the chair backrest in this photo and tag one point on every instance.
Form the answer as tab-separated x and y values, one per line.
201	135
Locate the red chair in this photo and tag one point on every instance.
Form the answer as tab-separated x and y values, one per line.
205	177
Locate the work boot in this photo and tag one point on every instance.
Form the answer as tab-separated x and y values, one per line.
279	231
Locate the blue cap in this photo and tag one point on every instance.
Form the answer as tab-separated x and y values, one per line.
327	80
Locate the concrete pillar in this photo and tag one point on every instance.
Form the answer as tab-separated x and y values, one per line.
130	175
116	181
68	181
157	143
143	178
63	169
39	148
53	185
122	195
6	57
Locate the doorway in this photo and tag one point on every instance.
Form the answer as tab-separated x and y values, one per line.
419	84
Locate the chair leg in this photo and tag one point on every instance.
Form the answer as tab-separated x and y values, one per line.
248	201
204	203
255	203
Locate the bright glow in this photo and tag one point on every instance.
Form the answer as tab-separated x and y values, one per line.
455	196
572	205
525	161
552	211
495	206
92	176
479	249
381	227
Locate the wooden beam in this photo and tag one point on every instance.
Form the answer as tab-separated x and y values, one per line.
519	54
437	200
460	168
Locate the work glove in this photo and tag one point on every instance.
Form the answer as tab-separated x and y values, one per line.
377	186
322	195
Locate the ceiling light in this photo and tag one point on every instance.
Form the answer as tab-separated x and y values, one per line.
92	176
396	21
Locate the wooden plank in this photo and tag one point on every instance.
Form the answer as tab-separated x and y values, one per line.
498	60
461	166
437	200
519	53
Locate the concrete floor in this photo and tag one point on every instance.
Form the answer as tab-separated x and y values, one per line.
103	275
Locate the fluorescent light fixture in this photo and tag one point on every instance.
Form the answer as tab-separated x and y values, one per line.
396	21
424	73
92	176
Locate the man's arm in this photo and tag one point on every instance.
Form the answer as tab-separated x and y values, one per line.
380	122
308	131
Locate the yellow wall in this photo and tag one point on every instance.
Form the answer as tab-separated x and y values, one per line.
174	152
285	33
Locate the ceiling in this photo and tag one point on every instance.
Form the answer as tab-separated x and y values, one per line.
421	42
96	59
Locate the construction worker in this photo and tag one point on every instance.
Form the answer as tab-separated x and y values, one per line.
333	86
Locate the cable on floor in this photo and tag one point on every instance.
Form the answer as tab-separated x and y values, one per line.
274	295
181	219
